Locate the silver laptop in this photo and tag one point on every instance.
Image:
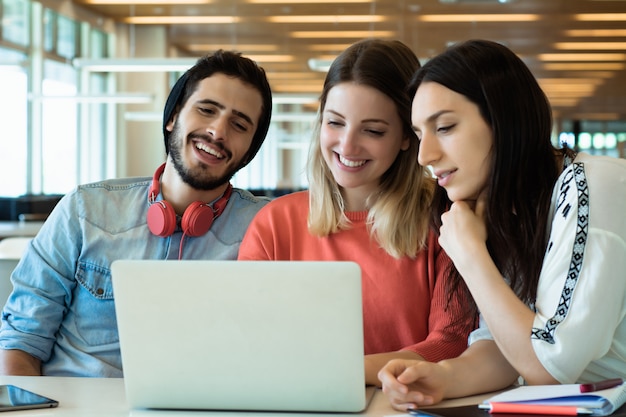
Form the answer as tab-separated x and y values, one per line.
241	335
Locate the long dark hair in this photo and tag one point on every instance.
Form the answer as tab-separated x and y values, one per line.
523	164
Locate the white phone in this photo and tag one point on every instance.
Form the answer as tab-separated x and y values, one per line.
16	398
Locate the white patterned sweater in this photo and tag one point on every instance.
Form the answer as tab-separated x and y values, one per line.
579	331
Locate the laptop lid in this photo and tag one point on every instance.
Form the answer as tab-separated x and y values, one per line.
241	335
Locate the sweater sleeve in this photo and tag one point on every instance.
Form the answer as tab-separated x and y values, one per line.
579	328
450	320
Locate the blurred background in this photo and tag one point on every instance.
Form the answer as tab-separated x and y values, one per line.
84	82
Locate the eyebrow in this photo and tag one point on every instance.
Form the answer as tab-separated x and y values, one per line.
362	121
433	117
222	107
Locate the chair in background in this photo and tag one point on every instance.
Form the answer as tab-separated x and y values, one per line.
11	250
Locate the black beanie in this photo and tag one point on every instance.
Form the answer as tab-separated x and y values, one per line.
173	100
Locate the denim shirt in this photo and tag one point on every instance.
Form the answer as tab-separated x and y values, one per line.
61	309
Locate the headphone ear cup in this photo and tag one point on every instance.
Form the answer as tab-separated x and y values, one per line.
197	219
161	218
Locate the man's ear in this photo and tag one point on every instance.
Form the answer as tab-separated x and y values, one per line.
170	125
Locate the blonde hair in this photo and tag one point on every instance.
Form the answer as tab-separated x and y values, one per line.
398	213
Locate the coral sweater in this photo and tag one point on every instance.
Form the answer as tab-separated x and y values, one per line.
404	300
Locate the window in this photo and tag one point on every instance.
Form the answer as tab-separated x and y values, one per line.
42	152
584	141
13	110
67	36
281	161
566	139
59	129
15	22
49	30
98	44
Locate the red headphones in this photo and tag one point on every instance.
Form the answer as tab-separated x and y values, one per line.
197	218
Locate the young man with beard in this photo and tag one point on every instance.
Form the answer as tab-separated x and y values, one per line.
60	318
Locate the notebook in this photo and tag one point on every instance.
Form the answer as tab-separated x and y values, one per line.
241	335
602	402
470	411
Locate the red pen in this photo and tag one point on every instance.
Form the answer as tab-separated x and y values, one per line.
517	408
600	385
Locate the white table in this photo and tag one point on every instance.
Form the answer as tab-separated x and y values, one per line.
19	228
100	397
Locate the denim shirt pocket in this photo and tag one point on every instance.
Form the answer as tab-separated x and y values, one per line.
93	307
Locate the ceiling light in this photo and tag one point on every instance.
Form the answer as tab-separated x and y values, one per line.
328	47
582	57
554	81
357	34
305	1
596	74
564	99
596	33
298	88
601	17
271	58
584	66
99	98
148	2
569	89
328	19
495	17
156	64
180	20
238	47
475	1
134	64
590	45
276	99
564	102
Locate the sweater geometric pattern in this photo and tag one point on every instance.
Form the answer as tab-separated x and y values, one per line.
580	182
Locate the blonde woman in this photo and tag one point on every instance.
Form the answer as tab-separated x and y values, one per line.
368	202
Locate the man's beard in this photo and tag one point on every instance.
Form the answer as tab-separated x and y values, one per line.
198	178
